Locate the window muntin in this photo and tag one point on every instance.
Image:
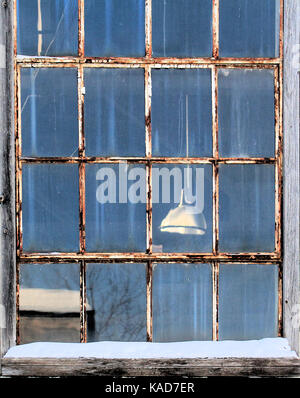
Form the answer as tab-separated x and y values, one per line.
215	160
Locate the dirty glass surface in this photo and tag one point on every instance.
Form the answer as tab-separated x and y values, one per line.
182	28
49	112
115	215
50	208
182	302
181	112
246	113
182	208
116	294
249	28
247	208
115	112
47	27
248	301
119	27
49	303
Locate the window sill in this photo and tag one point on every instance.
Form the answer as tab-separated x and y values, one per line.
267	357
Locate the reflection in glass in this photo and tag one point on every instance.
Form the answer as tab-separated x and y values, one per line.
47	27
249	28
177	129
115	208
182	208
248	301
115	112
49	112
182	302
49	303
247	208
119	27
246	113
117	293
50	207
182	28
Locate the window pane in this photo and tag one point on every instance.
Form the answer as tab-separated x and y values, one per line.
246	113
247	208
50	208
115	112
181	112
182	208
47	27
249	28
182	28
49	303
248	301
182	302
115	208
118	26
117	294
49	112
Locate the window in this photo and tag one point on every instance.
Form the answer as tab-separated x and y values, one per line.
149	169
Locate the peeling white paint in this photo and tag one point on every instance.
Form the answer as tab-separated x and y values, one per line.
2	57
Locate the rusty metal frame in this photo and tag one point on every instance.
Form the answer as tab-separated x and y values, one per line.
148	63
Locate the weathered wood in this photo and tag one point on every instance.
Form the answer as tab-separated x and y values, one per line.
7	180
151	367
291	172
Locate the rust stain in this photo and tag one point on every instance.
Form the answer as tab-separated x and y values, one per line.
149	277
215	27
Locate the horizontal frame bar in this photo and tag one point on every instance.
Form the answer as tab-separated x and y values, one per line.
90	61
143	257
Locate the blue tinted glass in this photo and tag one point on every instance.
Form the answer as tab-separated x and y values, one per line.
49	112
247	208
181	112
182	302
182	28
49	303
117	295
118	26
246	113
249	28
50	208
115	208
47	27
115	112
248	301
182	208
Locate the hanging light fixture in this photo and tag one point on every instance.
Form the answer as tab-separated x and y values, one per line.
183	219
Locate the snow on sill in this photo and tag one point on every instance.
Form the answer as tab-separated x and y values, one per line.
265	348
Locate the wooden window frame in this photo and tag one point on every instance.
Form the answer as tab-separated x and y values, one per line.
287	104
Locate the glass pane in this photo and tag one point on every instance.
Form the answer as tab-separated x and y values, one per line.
249	28
115	208
115	112
117	294
181	112
182	208
47	27
50	208
246	113
182	28
49	303
119	27
182	302
247	208
49	112
248	297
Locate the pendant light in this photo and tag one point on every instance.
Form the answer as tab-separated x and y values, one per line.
183	219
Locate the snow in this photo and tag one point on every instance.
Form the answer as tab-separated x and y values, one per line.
265	348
